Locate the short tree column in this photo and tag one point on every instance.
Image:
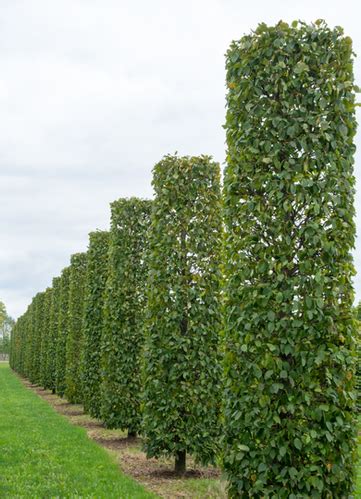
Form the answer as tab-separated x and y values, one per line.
182	368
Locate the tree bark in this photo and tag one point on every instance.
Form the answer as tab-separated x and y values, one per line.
180	462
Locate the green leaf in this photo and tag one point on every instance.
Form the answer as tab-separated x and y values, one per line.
298	444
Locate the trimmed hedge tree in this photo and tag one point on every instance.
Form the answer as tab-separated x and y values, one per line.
53	334
182	361
97	273
74	340
18	341
123	334
37	330
45	340
288	196
63	325
27	338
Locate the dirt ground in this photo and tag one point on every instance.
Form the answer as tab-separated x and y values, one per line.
155	474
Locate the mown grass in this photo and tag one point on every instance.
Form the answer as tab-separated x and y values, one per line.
43	455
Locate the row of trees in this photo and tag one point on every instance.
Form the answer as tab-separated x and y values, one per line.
131	328
222	325
6	324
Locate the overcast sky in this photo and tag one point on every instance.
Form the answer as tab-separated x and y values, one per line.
93	93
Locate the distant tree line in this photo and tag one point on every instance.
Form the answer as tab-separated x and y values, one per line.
6	325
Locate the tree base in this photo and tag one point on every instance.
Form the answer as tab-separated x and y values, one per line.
180	463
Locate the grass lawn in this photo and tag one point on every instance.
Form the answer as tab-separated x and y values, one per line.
43	455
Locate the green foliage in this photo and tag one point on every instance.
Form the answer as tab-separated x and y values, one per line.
182	368
16	360
123	333
45	339
288	196
27	338
37	330
24	330
74	340
3	313
97	273
5	344
6	326
15	349
53	334
357	312
63	325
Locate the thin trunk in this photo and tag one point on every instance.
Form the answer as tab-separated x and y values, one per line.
180	462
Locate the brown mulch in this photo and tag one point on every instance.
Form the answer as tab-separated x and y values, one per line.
155	474
116	443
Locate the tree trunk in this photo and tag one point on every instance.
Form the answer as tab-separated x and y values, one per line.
180	462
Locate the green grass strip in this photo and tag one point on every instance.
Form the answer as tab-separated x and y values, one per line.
42	455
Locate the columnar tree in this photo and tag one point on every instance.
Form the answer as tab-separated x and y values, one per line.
53	334
36	338
63	326
288	197
123	334
74	341
182	361
14	347
16	360
45	340
27	336
97	272
24	332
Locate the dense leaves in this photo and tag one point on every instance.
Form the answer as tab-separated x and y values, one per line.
53	334
6	326
96	278
63	328
182	369
123	332
27	338
18	343
37	326
288	196
45	375
74	339
357	311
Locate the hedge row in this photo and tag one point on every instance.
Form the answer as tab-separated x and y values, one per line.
100	328
245	350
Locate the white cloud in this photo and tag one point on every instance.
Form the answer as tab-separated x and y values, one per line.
93	93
